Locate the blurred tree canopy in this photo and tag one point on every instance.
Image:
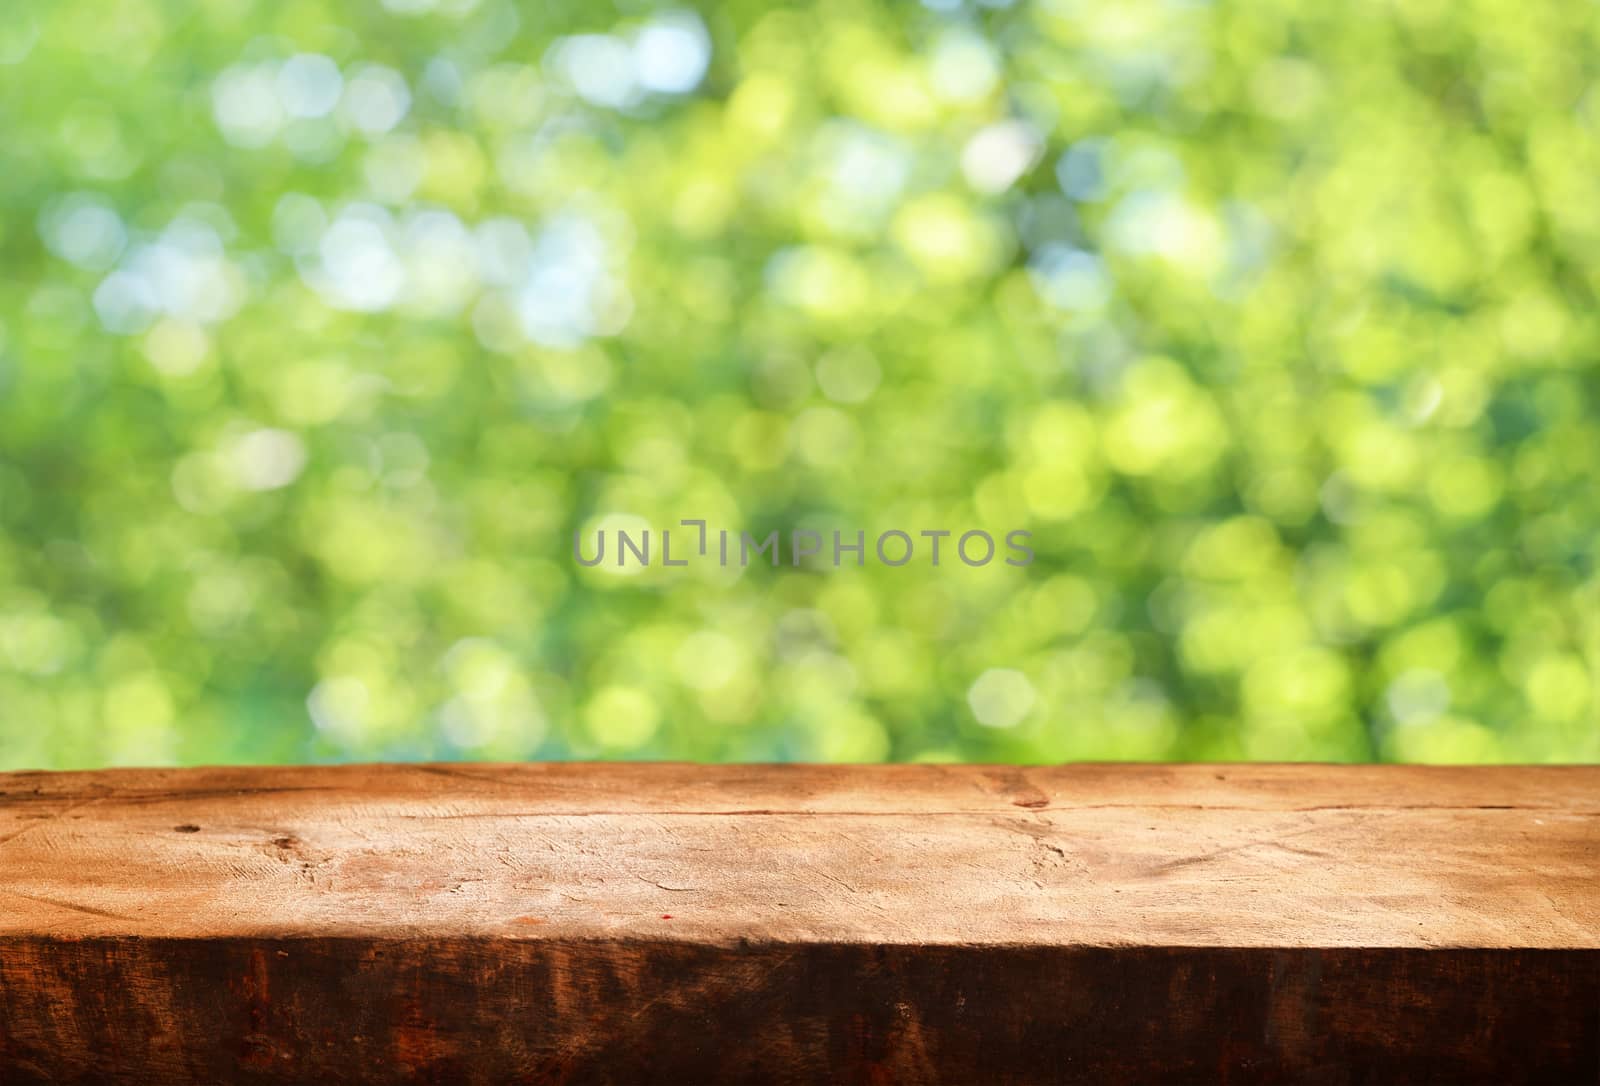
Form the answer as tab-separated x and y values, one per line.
325	326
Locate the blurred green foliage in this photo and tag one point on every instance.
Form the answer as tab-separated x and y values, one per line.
324	326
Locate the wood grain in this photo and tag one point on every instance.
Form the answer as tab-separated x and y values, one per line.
632	923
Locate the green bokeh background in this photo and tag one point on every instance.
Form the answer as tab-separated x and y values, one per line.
324	326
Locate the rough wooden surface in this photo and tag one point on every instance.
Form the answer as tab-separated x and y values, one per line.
546	923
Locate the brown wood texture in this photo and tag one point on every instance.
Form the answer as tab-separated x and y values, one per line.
677	923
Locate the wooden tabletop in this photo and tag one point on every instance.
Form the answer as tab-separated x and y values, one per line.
477	922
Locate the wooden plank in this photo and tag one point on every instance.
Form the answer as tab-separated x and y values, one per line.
546	923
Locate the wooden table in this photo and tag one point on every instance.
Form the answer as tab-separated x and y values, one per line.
634	923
